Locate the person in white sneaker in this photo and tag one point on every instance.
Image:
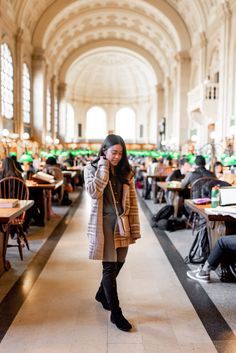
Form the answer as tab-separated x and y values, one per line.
225	248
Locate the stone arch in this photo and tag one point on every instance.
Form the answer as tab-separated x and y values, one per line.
167	10
101	44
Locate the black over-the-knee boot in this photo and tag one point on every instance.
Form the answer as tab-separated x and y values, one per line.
100	295
110	289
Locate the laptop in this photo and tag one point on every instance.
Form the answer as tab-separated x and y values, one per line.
227	196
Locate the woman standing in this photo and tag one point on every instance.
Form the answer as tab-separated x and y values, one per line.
109	181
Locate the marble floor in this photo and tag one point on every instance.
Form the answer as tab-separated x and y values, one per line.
58	313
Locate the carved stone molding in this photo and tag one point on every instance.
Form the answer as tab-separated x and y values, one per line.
182	56
38	54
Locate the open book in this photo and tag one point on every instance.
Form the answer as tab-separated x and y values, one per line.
8	203
43	178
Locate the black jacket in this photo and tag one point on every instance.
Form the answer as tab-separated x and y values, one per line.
175	175
192	176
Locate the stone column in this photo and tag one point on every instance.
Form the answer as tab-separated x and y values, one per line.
110	110
203	56
144	117
39	95
53	89
160	109
18	106
180	121
62	110
224	87
167	103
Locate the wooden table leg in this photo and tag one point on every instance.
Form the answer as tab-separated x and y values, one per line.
4	264
49	209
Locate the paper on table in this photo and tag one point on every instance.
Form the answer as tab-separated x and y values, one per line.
43	177
8	203
224	211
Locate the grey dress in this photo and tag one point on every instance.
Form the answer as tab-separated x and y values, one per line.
111	254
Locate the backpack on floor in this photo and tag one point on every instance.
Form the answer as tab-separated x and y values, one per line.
171	224
200	248
227	268
227	271
164	213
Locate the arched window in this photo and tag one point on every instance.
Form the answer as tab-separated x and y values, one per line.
70	123
125	123
49	110
96	127
6	82
26	94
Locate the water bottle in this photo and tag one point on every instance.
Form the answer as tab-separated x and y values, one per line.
215	196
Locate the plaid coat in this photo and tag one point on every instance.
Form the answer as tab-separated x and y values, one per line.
96	180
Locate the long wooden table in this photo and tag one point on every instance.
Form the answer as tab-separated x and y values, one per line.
70	178
152	187
47	186
79	170
41	194
75	168
6	216
175	188
69	173
217	224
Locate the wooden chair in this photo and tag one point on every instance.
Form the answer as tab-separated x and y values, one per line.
15	188
198	190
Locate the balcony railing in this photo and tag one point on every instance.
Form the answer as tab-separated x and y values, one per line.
205	98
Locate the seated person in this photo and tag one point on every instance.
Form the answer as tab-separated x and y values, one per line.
218	169
53	168
161	169
29	170
17	164
10	169
70	160
36	162
199	172
151	168
179	174
224	248
139	177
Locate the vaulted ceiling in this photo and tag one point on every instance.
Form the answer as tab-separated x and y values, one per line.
113	48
